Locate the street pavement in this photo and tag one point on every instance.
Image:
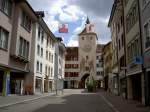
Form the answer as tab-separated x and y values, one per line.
15	99
78	101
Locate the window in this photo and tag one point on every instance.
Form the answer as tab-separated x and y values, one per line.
47	55
97	65
129	55
52	58
46	69
7	7
27	50
66	74
132	16
41	68
51	72
122	40
38	49
47	41
41	52
3	38
134	50
23	48
121	20
98	73
126	2
97	57
26	22
42	38
39	33
101	64
37	66
147	36
119	45
118	27
82	38
145	2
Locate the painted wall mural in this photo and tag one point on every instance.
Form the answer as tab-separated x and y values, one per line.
86	65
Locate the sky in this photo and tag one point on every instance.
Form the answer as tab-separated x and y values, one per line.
75	13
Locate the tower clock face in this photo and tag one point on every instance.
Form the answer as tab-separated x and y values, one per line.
87	48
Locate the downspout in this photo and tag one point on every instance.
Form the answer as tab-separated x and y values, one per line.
125	54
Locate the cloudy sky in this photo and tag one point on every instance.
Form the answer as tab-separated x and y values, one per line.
74	13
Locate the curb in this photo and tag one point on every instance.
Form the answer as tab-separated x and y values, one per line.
10	104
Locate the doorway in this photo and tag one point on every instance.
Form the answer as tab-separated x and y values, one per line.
1	82
82	83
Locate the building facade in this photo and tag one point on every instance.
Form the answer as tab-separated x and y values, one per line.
129	22
116	23
59	67
100	65
145	29
107	57
133	50
71	68
41	76
87	53
16	21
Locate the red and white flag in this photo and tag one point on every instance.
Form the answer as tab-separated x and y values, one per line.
63	28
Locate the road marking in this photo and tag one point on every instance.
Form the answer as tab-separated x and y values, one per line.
109	104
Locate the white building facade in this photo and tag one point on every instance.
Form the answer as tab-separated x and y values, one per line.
43	49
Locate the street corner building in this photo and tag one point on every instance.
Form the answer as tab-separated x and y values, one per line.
16	22
27	50
85	61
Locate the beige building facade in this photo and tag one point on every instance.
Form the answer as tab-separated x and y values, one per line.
16	21
87	53
133	50
107	57
116	24
83	63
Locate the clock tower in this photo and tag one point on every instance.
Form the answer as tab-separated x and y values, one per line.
87	51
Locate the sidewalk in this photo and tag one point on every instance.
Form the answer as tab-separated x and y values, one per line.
16	99
119	104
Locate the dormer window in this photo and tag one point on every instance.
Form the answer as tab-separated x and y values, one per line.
82	38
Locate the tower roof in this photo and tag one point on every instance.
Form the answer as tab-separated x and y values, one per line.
87	21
